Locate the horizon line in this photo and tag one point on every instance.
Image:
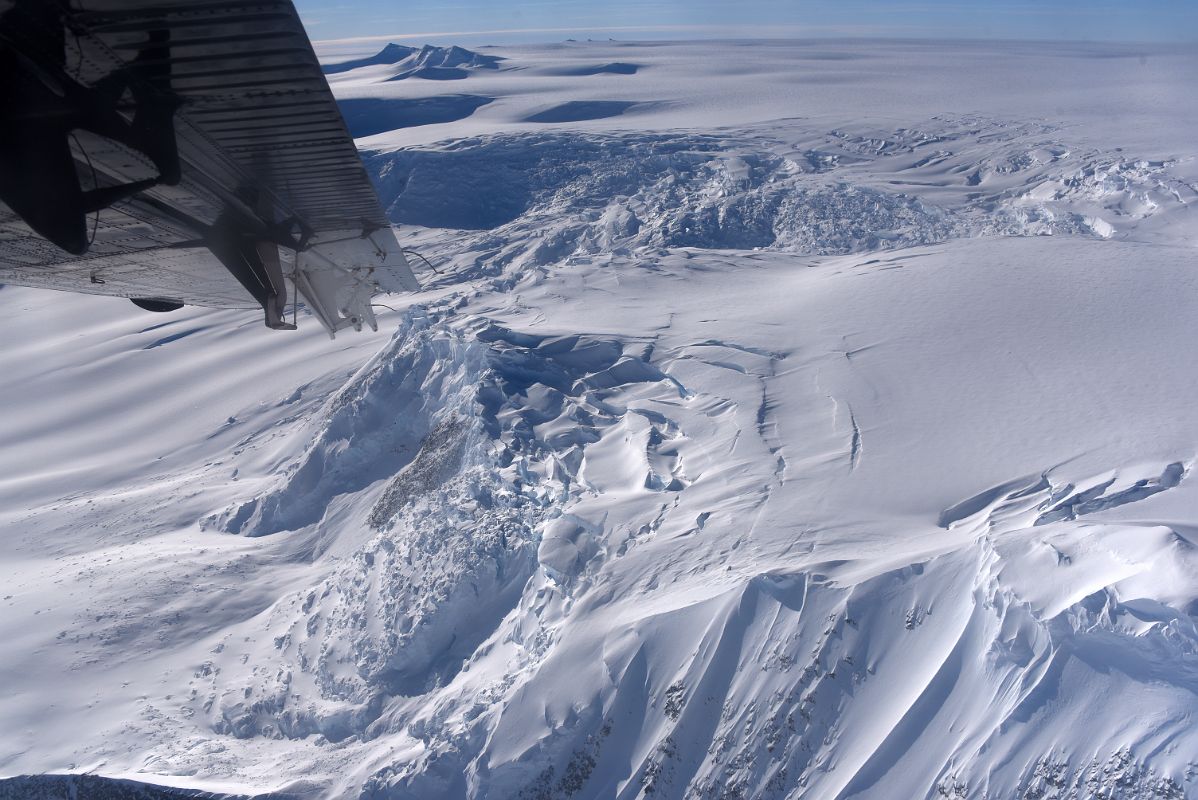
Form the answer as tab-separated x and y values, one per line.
812	32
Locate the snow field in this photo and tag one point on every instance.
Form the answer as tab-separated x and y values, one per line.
750	457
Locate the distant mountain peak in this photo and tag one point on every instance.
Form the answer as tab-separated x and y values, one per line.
454	56
412	61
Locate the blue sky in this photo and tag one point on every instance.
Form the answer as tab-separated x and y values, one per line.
500	21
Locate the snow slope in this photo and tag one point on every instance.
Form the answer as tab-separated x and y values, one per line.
812	422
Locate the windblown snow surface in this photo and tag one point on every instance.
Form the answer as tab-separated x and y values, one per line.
785	420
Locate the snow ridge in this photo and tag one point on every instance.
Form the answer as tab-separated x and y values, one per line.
484	437
429	62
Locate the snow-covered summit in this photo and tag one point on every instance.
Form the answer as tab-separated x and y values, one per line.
430	62
390	54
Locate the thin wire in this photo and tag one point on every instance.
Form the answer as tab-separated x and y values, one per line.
95	185
422	258
295	290
383	305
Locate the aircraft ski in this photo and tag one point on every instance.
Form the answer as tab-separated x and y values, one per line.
180	152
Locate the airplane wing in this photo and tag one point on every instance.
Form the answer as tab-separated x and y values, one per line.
184	152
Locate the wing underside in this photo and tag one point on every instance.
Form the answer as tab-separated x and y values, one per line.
186	151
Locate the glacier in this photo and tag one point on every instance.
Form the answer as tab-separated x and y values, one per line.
782	419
